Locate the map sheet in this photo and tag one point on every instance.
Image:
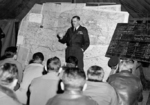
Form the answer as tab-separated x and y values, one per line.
100	23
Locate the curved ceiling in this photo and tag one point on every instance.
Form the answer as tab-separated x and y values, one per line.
17	9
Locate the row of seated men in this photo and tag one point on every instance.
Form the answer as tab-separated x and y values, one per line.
65	85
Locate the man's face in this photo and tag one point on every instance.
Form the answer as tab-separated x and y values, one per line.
75	22
127	64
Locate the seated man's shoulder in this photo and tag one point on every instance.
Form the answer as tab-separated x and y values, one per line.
54	99
135	77
112	77
36	80
84	100
90	101
107	86
35	66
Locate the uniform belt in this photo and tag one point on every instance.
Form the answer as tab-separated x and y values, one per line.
74	45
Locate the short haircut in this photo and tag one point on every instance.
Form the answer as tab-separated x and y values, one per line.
77	17
94	73
72	60
113	61
8	72
37	56
74	78
10	52
55	60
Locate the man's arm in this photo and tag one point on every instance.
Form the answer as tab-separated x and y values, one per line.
64	38
86	42
20	71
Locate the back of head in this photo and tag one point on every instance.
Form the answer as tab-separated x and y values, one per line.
95	73
53	64
10	52
72	61
38	57
74	78
77	17
8	74
113	61
126	65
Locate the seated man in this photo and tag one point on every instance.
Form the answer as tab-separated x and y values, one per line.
100	91
71	61
10	56
74	82
8	80
46	86
127	86
32	71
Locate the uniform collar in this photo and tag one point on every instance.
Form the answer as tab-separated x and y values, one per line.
77	27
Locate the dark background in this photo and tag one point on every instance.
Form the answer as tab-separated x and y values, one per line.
17	9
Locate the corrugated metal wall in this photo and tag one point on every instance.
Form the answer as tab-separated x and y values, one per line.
11	9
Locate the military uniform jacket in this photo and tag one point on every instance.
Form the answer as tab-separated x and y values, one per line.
79	38
128	87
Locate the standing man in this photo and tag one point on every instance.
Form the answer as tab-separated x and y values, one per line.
77	40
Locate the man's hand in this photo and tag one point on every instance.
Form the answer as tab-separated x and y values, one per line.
82	49
60	35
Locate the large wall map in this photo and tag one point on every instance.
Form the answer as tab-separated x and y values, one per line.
100	23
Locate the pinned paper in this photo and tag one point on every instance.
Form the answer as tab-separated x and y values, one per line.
36	18
20	40
23	55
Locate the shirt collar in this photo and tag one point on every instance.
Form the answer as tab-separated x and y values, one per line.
52	75
36	64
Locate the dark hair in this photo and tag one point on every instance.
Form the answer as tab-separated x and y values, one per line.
56	62
72	60
12	49
145	64
10	69
77	17
9	52
94	72
37	56
74	78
